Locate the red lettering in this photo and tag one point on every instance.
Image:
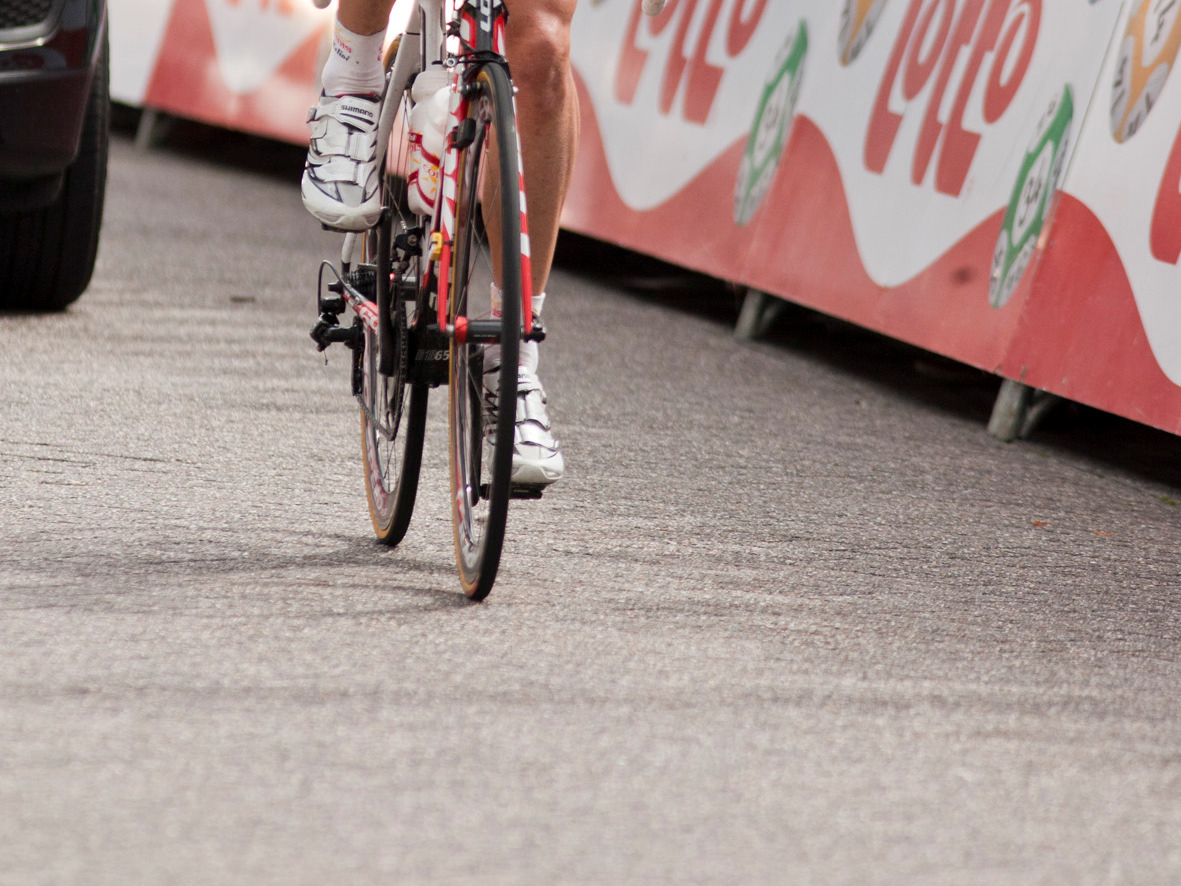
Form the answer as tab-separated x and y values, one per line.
932	131
687	69
920	68
632	59
884	123
1165	237
1000	92
953	145
658	25
674	69
703	79
742	27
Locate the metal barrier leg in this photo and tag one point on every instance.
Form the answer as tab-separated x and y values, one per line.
759	311
153	126
1018	410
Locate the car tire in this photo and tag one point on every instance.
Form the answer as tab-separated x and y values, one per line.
47	254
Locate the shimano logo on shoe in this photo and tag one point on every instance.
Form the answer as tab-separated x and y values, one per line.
359	111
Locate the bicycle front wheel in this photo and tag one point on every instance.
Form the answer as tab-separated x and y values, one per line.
483	381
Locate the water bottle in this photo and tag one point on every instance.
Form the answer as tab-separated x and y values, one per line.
428	122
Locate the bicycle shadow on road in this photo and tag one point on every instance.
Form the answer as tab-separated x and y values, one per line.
390	577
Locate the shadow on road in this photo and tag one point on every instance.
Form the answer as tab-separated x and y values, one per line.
954	388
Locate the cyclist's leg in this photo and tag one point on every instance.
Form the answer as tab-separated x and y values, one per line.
353	67
364	16
538	50
538	38
340	181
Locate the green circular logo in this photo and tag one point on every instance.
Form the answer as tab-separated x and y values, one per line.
1033	194
771	126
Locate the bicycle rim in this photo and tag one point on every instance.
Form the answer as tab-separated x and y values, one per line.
481	443
393	411
391	445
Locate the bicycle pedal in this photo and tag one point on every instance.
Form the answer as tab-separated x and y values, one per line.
328	331
525	491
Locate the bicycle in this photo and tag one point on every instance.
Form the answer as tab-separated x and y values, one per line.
412	285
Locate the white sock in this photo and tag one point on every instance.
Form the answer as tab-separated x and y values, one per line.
529	352
354	64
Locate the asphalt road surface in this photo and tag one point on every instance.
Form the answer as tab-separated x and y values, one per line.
793	617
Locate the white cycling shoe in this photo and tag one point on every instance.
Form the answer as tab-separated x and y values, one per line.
537	457
341	181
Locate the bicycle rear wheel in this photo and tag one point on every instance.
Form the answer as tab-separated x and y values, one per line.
481	435
391	464
393	408
393	424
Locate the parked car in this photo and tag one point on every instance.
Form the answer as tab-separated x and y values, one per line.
54	131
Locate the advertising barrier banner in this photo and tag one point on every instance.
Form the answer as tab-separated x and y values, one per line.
998	181
252	65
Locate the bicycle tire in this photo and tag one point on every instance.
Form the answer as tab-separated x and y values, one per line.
480	452
393	408
391	481
391	465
